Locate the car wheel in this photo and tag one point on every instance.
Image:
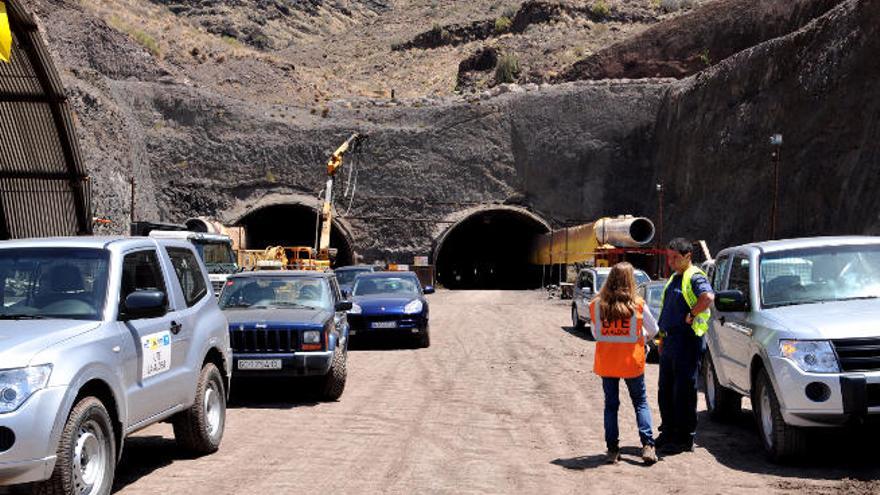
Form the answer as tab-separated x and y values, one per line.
199	429
333	383
86	459
576	322
781	441
425	339
722	403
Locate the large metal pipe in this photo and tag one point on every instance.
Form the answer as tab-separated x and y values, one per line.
624	231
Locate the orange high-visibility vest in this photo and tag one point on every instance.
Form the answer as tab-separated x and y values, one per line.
620	345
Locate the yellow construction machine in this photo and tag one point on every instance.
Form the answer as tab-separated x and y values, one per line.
333	166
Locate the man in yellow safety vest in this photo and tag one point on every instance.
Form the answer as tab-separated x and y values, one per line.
684	320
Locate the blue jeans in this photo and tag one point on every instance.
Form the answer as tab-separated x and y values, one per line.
639	397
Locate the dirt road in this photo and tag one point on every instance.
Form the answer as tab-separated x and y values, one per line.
502	402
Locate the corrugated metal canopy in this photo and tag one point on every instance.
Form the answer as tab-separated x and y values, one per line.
44	189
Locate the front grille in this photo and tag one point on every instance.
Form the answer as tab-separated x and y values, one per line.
217	285
268	340
858	354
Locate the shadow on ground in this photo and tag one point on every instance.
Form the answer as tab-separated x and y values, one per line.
274	393
382	343
629	455
832	454
143	455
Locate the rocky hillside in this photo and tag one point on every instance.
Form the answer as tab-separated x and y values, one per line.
817	88
214	124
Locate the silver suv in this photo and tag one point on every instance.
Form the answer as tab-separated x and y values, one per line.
795	327
586	287
99	338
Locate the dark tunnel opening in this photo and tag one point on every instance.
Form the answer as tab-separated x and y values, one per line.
490	250
292	225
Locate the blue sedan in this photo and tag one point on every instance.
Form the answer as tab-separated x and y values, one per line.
390	303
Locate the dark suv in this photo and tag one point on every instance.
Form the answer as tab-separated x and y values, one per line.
288	324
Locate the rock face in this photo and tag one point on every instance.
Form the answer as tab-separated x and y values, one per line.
567	153
694	41
817	87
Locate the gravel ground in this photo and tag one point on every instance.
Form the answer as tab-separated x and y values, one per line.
502	402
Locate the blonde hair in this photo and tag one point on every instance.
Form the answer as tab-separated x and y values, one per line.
618	297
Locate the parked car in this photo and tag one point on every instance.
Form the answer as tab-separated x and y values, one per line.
288	324
390	303
795	328
652	293
99	338
586	287
345	275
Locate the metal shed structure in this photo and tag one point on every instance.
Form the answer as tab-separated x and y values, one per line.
44	188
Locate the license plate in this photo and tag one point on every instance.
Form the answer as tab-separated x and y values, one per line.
384	324
352	332
259	364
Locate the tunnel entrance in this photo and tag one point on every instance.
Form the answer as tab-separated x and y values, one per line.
292	225
490	249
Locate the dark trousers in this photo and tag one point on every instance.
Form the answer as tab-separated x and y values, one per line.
680	362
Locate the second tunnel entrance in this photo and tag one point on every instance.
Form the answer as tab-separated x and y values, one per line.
489	249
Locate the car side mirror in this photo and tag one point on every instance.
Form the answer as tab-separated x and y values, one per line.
343	306
731	301
143	304
429	289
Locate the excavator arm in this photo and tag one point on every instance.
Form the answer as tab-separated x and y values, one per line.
333	166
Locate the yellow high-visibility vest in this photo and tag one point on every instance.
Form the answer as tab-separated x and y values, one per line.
5	34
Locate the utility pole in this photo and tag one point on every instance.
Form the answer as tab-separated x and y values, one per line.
131	213
775	156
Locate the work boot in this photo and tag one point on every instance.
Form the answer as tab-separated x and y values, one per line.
649	455
612	456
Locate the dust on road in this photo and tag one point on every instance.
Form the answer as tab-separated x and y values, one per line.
504	401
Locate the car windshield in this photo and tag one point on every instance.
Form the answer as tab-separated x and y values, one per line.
817	275
365	286
62	283
641	278
276	292
218	256
346	277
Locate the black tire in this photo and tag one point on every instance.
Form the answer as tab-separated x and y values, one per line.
781	441
722	403
200	428
88	427
425	339
576	322
333	383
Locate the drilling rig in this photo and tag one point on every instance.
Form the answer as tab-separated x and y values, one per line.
325	253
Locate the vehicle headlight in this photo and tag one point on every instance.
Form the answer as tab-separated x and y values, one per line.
311	337
816	356
355	309
413	307
18	384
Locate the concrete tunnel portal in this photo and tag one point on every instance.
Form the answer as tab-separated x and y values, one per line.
293	224
489	249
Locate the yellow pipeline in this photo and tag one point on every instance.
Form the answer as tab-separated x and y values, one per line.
581	243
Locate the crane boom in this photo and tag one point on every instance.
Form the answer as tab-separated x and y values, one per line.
333	166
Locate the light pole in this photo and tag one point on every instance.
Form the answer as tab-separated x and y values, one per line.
775	156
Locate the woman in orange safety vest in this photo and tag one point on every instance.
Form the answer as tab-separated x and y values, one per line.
620	324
